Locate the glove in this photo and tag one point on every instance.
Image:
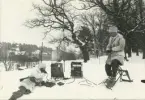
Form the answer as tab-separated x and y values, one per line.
108	51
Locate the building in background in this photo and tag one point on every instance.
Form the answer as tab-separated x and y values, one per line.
65	52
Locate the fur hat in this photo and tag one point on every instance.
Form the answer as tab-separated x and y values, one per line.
41	65
113	29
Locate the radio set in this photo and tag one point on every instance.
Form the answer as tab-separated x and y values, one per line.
76	69
57	70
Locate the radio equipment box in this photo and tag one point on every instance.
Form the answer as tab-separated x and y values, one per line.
76	69
57	70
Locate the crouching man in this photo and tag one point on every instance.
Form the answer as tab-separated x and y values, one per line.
29	83
115	51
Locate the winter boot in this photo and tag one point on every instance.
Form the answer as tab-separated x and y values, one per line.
18	93
113	79
107	80
143	81
111	82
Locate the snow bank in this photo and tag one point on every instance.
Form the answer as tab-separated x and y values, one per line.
93	71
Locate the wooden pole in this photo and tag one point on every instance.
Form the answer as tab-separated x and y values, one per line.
42	52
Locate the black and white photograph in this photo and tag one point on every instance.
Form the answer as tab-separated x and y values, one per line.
72	49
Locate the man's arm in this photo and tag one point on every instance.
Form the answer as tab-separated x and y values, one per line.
109	45
121	45
23	78
37	74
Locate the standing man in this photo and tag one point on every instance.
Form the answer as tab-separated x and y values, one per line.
115	51
85	52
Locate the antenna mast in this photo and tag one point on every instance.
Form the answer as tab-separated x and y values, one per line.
63	39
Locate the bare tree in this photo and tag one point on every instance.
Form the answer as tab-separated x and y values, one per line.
95	21
55	15
4	56
89	20
122	13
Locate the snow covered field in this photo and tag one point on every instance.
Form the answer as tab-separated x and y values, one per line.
94	71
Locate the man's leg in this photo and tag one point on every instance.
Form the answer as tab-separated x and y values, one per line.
85	54
18	93
115	65
108	70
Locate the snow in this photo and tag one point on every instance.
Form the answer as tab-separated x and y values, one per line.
93	71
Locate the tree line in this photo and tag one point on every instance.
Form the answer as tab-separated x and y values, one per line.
20	53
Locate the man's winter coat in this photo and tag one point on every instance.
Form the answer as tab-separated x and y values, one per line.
38	76
117	45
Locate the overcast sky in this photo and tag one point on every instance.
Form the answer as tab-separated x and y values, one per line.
13	15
